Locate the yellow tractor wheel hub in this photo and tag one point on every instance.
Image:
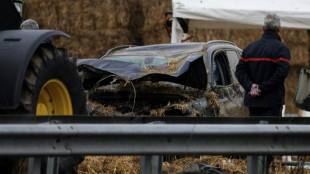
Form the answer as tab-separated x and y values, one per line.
54	99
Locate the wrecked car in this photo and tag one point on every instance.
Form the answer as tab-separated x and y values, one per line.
192	79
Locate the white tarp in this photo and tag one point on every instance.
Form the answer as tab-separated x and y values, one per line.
242	13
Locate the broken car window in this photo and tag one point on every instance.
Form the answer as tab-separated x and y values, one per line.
222	68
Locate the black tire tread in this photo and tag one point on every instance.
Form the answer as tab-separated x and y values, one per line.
48	56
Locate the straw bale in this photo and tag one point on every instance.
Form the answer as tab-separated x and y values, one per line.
130	164
203	35
153	30
297	41
95	26
92	164
110	165
243	37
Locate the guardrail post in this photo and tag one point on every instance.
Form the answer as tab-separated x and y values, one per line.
151	164
34	165
257	164
52	165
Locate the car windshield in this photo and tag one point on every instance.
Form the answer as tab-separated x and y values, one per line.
147	60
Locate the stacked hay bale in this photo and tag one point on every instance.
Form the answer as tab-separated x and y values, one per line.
96	26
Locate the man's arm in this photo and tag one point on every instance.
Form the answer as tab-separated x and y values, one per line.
242	74
282	68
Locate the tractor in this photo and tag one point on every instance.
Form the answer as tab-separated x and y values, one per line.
37	78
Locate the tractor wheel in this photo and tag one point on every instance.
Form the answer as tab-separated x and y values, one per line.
52	85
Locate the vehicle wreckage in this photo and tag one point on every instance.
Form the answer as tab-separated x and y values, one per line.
192	79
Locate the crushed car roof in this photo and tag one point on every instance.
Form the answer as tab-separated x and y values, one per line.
162	49
178	63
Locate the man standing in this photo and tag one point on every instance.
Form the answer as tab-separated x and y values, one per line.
262	69
31	24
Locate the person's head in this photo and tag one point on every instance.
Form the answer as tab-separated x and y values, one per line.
29	24
272	23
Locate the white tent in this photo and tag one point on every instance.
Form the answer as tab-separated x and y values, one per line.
241	14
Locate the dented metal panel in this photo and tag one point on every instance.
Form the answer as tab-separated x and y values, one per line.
302	98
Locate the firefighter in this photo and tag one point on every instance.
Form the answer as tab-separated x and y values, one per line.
262	69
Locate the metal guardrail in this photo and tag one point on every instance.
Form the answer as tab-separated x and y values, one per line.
29	119
152	139
67	136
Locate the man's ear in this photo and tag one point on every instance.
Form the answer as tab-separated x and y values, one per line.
263	28
279	29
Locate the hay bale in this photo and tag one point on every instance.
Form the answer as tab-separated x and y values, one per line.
95	26
297	41
153	30
110	165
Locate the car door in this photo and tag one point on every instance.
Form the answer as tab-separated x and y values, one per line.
223	62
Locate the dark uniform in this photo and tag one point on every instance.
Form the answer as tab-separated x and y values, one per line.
264	62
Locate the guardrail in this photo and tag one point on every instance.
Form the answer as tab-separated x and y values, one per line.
152	139
54	138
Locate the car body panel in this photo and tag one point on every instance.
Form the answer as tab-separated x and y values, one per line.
165	79
302	98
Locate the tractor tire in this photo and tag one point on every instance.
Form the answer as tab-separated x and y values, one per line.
52	85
